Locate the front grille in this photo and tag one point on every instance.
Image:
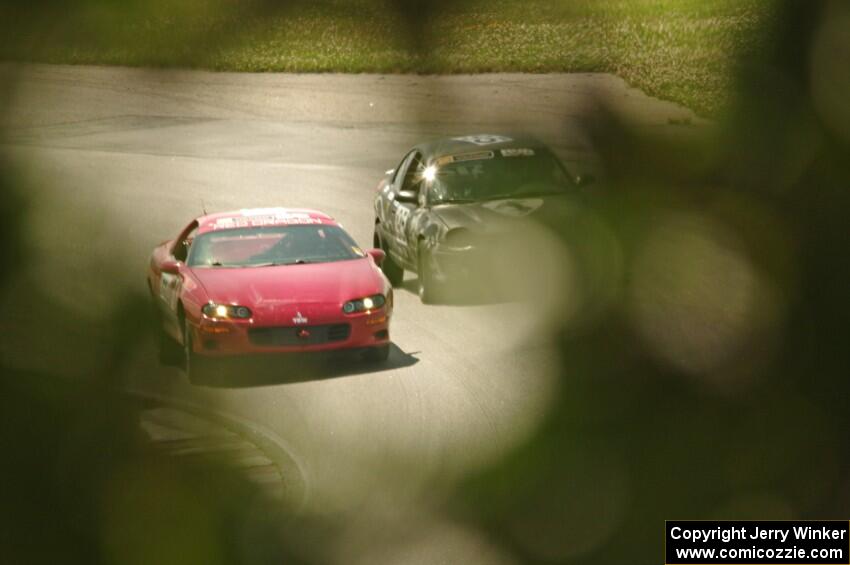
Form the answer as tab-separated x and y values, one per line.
338	332
299	335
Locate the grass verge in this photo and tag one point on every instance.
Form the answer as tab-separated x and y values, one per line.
681	50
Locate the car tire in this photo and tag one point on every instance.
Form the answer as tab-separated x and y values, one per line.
170	353
429	288
192	362
377	354
393	271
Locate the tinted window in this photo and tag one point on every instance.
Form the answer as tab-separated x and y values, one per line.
525	172
413	173
401	168
184	242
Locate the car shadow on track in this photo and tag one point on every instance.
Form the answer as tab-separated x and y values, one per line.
459	296
245	372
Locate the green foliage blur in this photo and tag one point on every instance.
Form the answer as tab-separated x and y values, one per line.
710	380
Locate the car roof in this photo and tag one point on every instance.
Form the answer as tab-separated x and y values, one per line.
256	217
460	144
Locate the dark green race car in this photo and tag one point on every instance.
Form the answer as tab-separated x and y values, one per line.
449	209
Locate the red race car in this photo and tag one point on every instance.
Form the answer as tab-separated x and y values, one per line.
269	280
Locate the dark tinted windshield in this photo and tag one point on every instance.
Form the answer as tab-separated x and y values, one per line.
272	245
496	174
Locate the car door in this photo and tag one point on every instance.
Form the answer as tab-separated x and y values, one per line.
420	224
399	212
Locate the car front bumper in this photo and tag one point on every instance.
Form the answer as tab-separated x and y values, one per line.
474	264
217	338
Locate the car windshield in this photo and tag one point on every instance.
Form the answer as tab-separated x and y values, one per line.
508	173
272	245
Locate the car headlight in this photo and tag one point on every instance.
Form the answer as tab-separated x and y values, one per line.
459	239
222	311
364	304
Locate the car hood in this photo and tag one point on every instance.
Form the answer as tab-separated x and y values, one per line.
276	293
493	216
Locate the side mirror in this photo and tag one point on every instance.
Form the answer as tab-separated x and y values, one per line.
407	197
584	180
378	255
170	266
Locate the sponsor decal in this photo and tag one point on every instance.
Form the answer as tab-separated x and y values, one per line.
258	221
299	319
282	212
518	152
483	139
477	156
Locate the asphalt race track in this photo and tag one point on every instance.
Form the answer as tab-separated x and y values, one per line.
116	160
